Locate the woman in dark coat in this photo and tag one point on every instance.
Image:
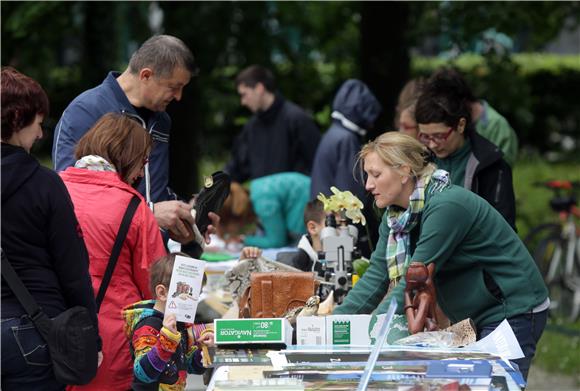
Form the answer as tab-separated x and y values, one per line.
40	237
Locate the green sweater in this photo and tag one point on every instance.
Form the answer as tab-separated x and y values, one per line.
464	236
494	127
456	163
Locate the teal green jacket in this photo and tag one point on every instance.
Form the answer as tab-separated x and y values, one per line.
278	201
466	238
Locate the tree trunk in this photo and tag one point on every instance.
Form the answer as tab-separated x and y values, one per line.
385	59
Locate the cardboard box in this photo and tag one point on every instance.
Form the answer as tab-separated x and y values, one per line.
311	330
347	330
253	331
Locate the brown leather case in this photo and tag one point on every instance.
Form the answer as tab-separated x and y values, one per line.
273	294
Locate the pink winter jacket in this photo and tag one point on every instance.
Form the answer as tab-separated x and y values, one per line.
100	200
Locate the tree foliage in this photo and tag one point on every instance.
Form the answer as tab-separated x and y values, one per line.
311	46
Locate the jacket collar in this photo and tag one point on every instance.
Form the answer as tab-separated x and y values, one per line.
103	178
271	111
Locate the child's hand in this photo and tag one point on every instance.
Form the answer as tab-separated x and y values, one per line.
206	339
250	252
170	322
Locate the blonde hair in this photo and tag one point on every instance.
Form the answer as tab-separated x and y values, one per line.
397	150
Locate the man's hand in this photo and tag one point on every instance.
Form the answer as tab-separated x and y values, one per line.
170	322
175	216
211	229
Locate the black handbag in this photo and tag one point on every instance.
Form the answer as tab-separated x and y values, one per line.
211	198
71	336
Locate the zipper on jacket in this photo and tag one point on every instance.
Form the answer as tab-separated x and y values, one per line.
498	188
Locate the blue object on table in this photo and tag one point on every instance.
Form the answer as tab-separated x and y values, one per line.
449	369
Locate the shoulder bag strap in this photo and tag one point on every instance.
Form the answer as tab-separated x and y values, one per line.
121	235
38	317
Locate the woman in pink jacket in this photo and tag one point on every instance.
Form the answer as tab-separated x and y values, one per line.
110	162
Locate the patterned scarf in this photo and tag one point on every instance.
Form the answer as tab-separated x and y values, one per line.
402	222
94	163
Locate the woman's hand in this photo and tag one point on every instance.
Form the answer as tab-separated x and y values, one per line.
99	358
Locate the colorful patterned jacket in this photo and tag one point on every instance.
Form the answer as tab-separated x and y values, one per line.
162	358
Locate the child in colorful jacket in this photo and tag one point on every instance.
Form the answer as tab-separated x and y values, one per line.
164	350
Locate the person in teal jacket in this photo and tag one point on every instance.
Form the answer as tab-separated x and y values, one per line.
482	269
278	202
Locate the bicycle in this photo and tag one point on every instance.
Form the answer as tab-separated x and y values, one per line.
556	250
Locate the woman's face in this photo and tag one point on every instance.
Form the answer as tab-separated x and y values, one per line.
387	185
27	136
442	139
138	172
407	124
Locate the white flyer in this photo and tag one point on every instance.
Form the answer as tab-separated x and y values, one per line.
185	288
501	341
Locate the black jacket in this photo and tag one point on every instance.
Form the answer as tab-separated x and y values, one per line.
489	176
281	139
42	238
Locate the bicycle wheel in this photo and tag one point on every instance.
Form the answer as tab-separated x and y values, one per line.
562	301
541	231
545	250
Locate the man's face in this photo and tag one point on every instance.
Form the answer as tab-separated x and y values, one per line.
158	92
251	97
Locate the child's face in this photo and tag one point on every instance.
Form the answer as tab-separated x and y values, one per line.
314	228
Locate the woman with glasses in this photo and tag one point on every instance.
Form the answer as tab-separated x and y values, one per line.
110	160
482	269
443	113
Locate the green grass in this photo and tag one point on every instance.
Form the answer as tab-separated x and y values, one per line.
559	351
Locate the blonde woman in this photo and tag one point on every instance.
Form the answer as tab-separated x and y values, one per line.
482	269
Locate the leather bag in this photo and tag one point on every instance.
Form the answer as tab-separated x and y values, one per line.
271	295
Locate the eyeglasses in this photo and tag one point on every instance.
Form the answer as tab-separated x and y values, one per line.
437	138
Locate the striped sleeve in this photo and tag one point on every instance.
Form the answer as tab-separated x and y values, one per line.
153	349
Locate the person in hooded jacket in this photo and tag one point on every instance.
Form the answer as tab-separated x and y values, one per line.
354	111
41	239
443	113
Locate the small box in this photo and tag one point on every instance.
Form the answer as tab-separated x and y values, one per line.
347	329
311	330
253	331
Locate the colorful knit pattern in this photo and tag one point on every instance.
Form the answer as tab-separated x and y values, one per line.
160	356
401	222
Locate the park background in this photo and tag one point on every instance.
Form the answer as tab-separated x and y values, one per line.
523	57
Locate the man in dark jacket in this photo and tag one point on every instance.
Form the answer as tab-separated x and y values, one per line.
280	136
157	73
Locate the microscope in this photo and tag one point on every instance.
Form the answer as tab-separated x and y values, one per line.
338	252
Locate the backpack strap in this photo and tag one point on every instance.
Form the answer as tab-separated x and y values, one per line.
121	235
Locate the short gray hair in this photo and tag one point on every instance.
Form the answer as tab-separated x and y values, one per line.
163	53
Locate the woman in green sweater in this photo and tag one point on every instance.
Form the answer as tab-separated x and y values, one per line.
482	269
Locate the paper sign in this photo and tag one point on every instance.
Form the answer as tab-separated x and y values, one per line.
501	341
185	288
